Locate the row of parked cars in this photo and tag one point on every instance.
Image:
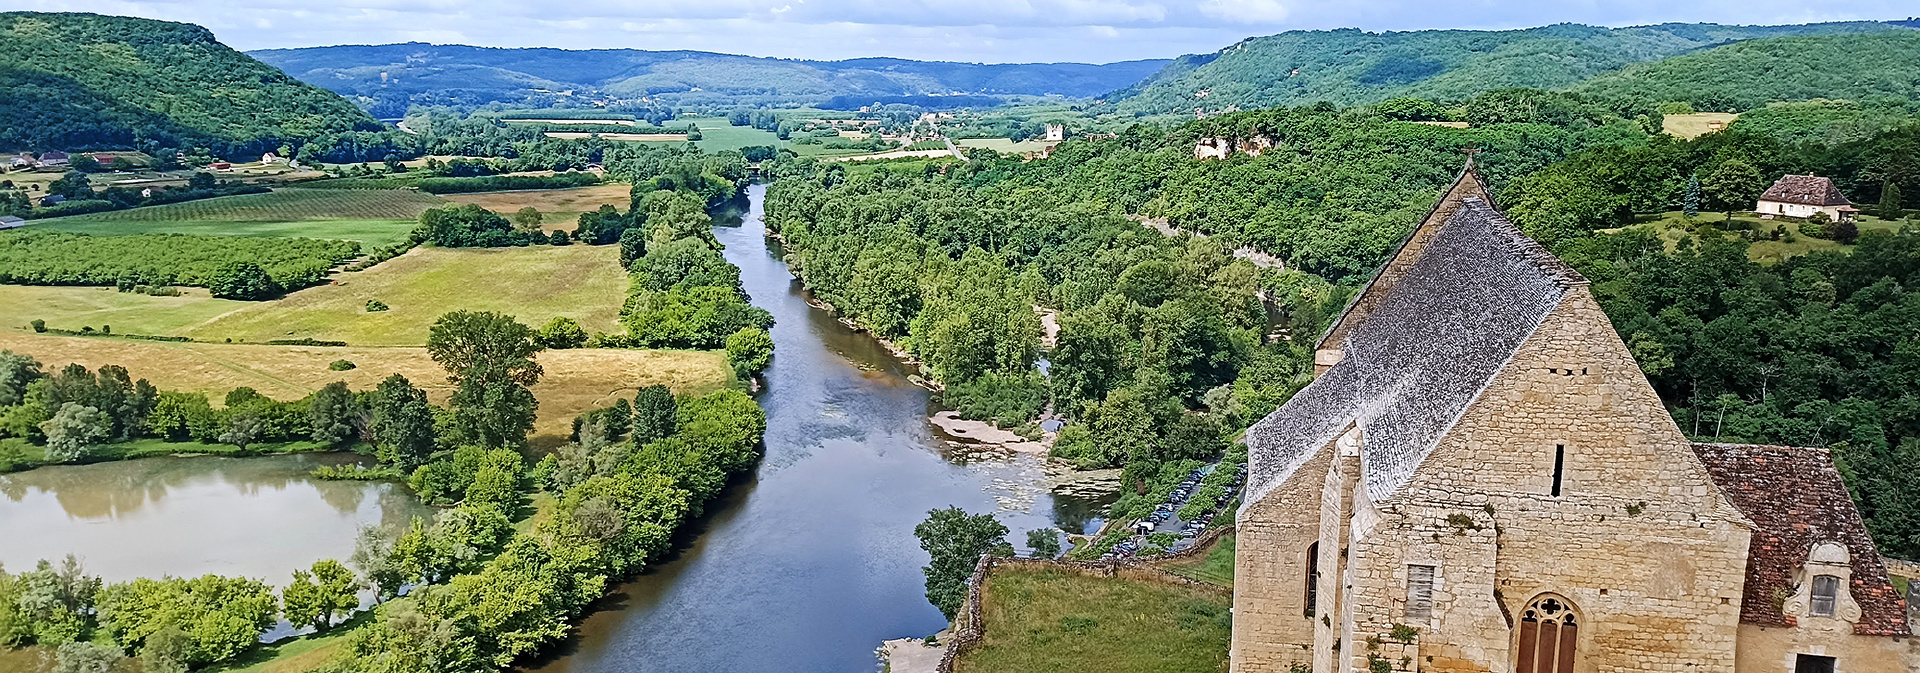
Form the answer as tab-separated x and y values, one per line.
1175	500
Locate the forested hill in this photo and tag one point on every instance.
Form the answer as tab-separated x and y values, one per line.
74	81
385	78
1349	67
1750	74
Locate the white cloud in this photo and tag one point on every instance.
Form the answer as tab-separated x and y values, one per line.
960	30
1245	11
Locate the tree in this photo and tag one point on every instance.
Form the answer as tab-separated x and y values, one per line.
1045	542
526	220
201	180
242	280
16	371
78	657
490	357
166	651
633	246
1734	185
558	238
956	541
315	598
402	423
655	415
74	185
242	429
335	414
1845	231
73	430
222	616
749	350
1890	205
1690	201
561	333
373	559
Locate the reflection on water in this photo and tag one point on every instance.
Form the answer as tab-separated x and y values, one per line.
810	564
254	517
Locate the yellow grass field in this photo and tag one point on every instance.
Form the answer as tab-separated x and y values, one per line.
559	208
1003	145
126	312
575	380
534	284
1697	124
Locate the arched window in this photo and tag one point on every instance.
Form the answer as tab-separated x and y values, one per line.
1548	634
1313	580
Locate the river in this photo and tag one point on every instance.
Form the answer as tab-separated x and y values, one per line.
253	517
811	563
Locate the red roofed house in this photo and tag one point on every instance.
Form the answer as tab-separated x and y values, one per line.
1804	195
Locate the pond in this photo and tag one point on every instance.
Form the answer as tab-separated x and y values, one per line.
260	517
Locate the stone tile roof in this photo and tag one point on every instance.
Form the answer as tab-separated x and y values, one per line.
1796	500
1411	368
1805	190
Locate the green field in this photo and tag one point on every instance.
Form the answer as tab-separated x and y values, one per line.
71	308
1053	620
534	284
373	217
1673	226
1213	567
716	134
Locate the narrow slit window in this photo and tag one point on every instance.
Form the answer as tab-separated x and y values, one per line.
1826	593
1559	467
1419	592
1313	580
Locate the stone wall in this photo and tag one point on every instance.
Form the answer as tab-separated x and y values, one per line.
1271	630
1647	550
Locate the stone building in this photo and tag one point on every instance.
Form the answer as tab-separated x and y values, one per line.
1481	479
1803	196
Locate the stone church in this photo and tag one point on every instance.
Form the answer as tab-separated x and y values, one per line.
1481	479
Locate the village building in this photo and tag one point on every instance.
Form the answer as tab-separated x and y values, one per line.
1803	196
53	158
1479	478
1056	133
22	162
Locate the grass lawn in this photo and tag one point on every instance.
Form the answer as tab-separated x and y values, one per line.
1003	145
1213	567
128	313
373	217
559	208
534	284
1673	226
1054	620
39	659
575	380
1695	125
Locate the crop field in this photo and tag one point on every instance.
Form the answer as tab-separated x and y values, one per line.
534	284
72	308
559	208
575	380
716	134
373	217
1055	620
1697	124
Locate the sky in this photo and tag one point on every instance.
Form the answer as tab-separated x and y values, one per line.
985	31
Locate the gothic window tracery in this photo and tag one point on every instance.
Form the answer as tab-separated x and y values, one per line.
1549	634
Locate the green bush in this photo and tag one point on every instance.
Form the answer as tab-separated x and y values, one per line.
376	306
341	365
39	325
1815	229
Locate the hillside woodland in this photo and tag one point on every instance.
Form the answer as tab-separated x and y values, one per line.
1750	74
85	80
1350	67
388	78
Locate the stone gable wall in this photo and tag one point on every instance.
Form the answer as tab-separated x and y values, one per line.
1642	543
1271	631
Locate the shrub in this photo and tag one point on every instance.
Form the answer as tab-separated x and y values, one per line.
1814	228
39	325
375	306
242	280
341	365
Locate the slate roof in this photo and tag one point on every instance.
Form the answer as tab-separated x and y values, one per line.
1796	500
1805	190
1412	366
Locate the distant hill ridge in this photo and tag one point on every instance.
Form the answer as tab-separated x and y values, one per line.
1352	67
71	80
385	78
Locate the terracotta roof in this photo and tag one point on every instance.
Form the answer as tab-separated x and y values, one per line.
1413	365
1805	190
1796	500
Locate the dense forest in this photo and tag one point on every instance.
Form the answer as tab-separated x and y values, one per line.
1750	74
1350	67
72	81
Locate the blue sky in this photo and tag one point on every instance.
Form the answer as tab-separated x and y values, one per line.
993	31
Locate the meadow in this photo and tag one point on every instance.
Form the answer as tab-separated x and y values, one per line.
1055	620
71	308
1696	124
1673	226
575	381
534	284
373	217
559	208
716	134
1213	567
1003	145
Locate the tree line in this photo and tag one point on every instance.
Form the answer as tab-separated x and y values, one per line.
267	266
